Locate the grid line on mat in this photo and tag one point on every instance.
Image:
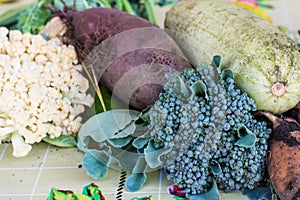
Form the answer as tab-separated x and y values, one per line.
40	172
3	151
160	184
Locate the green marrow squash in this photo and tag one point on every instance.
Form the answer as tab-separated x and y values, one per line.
264	60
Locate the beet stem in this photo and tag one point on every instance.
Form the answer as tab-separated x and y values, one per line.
64	3
51	8
74	5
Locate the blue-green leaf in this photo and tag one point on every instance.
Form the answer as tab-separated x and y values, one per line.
216	62
135	182
153	155
61	141
215	167
263	192
199	89
248	139
138	177
120	142
104	126
212	194
127	131
126	156
96	163
227	73
180	88
140	142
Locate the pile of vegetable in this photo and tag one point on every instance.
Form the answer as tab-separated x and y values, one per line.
201	131
196	121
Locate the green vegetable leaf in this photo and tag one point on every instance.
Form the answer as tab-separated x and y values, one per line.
135	182
123	133
138	178
199	89
104	126
96	163
216	62
140	142
263	191
226	73
34	18
180	89
248	139
10	17
153	155
61	141
126	156
215	168
120	142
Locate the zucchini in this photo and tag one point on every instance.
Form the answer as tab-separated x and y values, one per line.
264	60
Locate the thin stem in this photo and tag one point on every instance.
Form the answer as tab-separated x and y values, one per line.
119	4
150	8
128	8
104	3
95	85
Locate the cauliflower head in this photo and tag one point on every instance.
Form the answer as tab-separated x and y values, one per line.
42	89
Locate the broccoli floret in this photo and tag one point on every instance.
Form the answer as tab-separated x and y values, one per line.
242	167
209	125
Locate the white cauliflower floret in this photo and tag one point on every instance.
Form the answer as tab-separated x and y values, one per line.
42	90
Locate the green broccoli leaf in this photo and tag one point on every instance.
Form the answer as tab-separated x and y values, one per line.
199	89
263	191
104	126
96	163
120	142
248	139
140	142
138	178
215	167
153	155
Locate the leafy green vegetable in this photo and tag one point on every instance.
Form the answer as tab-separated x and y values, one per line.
34	18
61	141
138	177
104	126
96	163
10	18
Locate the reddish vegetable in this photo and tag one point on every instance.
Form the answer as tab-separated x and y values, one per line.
283	158
114	43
